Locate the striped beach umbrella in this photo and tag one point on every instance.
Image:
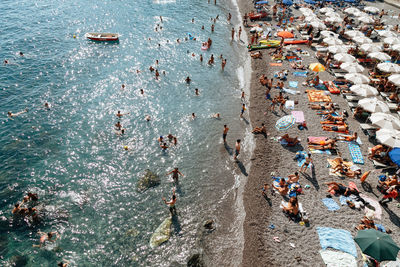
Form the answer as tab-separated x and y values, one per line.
317	67
285	123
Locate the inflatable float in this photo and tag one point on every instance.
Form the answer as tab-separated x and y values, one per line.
204	46
264	44
291	41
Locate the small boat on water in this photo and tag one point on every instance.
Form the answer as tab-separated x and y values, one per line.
102	36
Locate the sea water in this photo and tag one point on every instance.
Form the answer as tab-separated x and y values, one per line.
70	154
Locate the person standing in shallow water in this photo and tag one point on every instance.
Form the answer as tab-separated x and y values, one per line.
225	133
171	203
175	175
233	33
237	149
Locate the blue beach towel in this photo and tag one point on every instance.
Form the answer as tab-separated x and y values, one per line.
330	204
355	153
300	73
301	158
337	239
290	91
293	84
317	151
343	200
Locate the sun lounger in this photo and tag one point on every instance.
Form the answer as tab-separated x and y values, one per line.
352	104
339	75
377	164
392	106
367	127
352	98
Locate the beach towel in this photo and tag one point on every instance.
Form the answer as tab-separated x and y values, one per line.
343	200
358	141
289	104
337	258
355	153
301	158
317	151
290	91
316	138
293	84
333	163
330	204
374	203
300	73
338	239
380	227
275	64
299	116
318	96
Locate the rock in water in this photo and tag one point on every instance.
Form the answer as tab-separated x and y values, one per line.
149	179
209	225
162	233
195	260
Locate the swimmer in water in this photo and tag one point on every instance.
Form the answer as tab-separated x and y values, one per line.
141	91
170	137
175	141
118	125
157	74
216	116
240	31
119	114
223	63
147	118
202	27
46	105
160	139
156	61
164	73
233	33
21	54
11	115
6	61
164	146
123	86
151	68
47	237
188	80
193	116
201	58
161	19
212	28
196	91
192	20
175	175
211	61
120	133
171	203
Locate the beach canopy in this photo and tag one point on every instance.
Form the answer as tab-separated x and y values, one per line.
369	48
338	49
353	33
390	138
332	41
387	33
326	10
395	155
395	79
356	78
352	67
285	34
344	57
389	67
332	14
371	9
305	10
385	121
391	40
377	244
317	67
373	105
364	90
379	56
285	123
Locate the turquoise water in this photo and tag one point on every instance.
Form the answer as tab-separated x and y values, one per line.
70	154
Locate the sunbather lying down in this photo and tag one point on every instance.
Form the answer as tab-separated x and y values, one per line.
329	117
343	169
260	130
349	138
323	145
290	140
335	128
296	65
292	209
256	54
335	188
326	106
366	222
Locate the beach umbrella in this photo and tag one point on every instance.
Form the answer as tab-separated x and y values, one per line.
351	67
366	20
332	41
317	67
371	9
395	79
387	33
389	67
372	104
391	40
327	34
338	49
379	56
351	10
395	155
362	40
305	10
390	138
353	33
344	57
317	24
334	19
285	123
364	90
311	17
369	48
377	244
287	2
385	120
396	47
356	78
326	10
361	14
285	34
332	14
311	2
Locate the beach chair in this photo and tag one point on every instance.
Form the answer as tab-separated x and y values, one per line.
352	98
369	129
352	104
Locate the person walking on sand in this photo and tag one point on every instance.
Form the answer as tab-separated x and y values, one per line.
171	203
237	149
229	17
233	33
175	175
242	111
240	32
225	133
306	163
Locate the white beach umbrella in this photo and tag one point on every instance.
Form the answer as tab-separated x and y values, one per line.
385	120
379	56
390	138
366	20
361	14
334	19
332	14
395	79
305	10
364	90
356	78
353	33
371	9
373	105
326	10
391	40
344	57
311	17
368	48
327	34
362	40
387	33
396	47
332	41
338	49
317	24
351	67
351	10
389	67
